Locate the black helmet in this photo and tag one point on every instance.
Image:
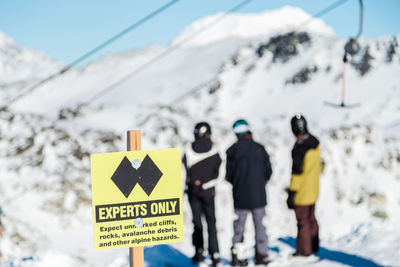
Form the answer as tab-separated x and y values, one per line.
201	129
299	124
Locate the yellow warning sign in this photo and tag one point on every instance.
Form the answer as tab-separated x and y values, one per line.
137	198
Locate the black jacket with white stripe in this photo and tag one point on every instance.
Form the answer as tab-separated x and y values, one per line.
202	162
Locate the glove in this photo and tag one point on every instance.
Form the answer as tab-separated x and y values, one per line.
290	199
194	187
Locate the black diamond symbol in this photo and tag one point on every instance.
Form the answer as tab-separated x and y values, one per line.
125	177
149	175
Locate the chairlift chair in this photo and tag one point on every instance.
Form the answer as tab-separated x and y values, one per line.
351	48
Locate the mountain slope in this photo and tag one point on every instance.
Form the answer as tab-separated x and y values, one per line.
247	26
262	74
21	67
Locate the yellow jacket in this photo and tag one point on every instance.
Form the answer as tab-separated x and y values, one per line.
306	171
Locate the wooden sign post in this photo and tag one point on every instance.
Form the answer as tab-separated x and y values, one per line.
134	142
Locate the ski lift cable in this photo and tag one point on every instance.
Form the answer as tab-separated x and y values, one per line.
195	89
201	85
152	61
163	54
94	50
169	50
214	79
320	13
174	47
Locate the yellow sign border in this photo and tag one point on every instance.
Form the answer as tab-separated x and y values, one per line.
139	219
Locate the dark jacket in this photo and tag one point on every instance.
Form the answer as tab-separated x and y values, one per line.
306	170
202	163
248	169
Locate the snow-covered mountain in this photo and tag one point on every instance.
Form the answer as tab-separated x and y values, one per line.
246	66
252	26
21	66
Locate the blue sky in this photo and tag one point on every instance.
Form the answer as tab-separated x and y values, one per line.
66	29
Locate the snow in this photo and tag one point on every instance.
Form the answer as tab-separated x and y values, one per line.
45	183
247	26
19	65
5	40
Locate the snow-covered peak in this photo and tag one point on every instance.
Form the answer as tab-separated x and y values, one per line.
5	40
18	64
255	25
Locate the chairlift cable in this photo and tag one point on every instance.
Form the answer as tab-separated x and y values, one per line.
94	50
320	13
214	79
163	54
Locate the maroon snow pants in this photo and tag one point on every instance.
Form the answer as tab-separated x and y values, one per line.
307	230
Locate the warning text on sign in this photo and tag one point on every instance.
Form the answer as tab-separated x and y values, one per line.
133	210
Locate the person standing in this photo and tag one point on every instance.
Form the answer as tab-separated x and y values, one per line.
248	169
202	162
304	186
